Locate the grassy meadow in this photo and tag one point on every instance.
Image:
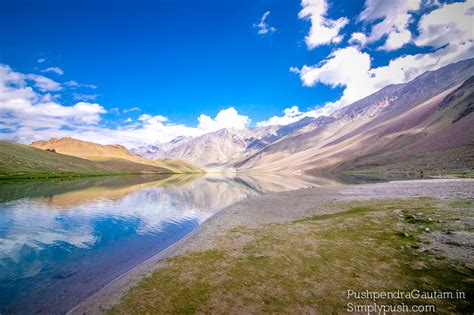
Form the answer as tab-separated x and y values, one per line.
309	264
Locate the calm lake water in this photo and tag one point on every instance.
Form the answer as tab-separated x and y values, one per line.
63	240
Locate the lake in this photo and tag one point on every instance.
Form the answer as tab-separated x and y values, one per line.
63	240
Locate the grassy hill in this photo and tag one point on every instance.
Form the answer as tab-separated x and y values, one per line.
114	156
22	161
19	161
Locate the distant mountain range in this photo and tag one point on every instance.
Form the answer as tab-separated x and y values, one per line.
423	125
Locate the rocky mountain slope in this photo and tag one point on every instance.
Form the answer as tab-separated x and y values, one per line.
221	149
415	120
397	121
113	156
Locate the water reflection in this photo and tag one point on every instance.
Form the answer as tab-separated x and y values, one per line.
61	241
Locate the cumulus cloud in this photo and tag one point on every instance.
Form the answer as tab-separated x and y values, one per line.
323	30
293	114
351	69
56	70
447	28
28	113
263	27
290	115
451	23
346	67
20	105
391	19
226	118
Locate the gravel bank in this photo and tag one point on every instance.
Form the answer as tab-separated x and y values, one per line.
274	208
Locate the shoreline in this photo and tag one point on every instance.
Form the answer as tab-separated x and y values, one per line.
271	208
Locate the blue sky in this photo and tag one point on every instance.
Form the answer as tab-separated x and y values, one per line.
172	61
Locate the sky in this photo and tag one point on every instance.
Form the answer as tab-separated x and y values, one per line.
144	72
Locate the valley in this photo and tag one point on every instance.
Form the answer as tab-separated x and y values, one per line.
236	157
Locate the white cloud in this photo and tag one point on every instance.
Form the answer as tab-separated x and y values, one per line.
74	84
133	109
226	118
347	67
352	69
358	38
263	27
293	114
28	114
152	119
41	60
448	28
21	106
290	115
56	70
43	83
85	97
391	19
450	23
323	30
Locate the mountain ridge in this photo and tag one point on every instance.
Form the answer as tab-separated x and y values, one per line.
114	156
298	146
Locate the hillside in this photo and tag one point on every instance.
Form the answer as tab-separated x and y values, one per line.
424	125
399	130
22	161
114	156
434	138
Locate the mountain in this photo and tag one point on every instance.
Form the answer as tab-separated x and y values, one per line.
212	149
154	151
423	124
222	148
22	161
113	156
147	151
219	149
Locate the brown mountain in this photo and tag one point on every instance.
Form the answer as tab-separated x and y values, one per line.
113	156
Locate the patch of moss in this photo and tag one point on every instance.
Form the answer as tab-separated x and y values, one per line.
462	203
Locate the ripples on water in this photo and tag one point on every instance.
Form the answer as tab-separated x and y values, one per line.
61	241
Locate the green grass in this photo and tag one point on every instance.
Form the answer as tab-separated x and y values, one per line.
19	161
308	265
